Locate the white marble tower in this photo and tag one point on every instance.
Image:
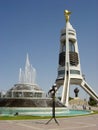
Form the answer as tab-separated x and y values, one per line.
69	69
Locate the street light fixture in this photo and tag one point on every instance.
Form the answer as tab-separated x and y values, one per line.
52	91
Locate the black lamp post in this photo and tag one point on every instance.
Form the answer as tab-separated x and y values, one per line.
52	92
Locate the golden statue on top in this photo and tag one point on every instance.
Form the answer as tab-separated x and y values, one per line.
67	15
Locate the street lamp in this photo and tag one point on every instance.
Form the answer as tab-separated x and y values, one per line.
52	91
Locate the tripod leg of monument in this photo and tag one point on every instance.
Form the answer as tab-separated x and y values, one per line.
65	93
89	90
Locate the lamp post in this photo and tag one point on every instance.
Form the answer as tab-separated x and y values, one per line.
52	92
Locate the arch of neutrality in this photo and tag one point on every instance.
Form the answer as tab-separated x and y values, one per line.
69	68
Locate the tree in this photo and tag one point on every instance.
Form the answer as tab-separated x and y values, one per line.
92	102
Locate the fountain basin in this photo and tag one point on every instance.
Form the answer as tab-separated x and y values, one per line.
40	111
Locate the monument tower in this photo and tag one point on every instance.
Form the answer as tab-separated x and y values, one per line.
69	69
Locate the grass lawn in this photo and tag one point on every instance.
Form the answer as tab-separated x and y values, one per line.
22	117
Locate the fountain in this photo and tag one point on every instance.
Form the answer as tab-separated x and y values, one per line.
29	75
27	93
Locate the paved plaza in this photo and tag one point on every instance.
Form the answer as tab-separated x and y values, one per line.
74	123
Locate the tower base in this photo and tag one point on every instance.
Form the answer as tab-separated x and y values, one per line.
74	81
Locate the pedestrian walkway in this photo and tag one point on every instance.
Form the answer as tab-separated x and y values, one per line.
89	122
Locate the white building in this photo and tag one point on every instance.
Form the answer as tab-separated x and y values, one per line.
69	69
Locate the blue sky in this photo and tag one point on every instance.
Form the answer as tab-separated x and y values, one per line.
34	26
